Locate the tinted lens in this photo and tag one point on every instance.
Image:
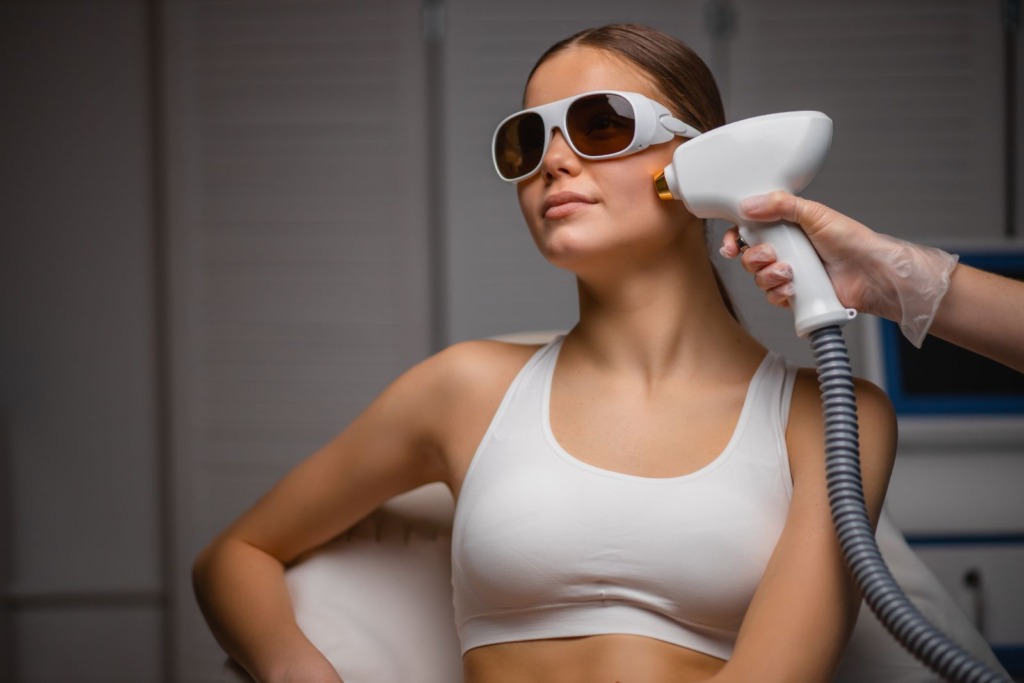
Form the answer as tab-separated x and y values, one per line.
600	125
518	145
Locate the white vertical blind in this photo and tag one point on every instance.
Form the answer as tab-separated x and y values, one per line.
915	91
299	236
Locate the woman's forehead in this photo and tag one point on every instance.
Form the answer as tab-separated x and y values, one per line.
577	70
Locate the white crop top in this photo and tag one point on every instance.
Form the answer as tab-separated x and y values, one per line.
547	546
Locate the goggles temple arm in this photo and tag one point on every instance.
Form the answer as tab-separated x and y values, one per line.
677	127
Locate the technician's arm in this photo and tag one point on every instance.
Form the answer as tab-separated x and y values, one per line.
804	610
239	579
920	287
984	313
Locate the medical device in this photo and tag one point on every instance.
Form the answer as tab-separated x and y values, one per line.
711	174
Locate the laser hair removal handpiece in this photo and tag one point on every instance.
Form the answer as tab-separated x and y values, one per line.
711	174
714	171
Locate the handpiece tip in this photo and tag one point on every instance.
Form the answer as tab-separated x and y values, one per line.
661	185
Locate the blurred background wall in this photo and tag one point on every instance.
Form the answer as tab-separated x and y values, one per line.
227	224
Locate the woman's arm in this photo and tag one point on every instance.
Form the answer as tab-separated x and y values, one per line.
806	605
397	444
243	596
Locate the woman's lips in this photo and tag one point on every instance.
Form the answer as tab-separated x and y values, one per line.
563	204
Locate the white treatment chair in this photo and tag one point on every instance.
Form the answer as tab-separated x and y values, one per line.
377	601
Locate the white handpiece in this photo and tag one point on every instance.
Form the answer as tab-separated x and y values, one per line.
712	173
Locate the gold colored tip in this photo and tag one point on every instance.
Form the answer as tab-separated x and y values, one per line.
661	185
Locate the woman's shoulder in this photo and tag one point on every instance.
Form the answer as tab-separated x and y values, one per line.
807	394
466	372
445	396
457	391
481	363
875	416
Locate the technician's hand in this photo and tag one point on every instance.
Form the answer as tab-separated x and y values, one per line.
843	244
871	272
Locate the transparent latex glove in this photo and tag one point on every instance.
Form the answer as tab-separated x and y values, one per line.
871	272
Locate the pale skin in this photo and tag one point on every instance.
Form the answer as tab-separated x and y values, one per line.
656	361
981	312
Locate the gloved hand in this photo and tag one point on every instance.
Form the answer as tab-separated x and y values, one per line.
871	272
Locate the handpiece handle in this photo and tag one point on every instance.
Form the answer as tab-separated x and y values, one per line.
814	302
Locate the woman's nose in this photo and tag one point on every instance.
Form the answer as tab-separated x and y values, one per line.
560	157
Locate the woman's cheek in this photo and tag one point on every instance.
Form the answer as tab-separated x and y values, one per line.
530	195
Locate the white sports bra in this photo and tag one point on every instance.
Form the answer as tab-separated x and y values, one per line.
547	546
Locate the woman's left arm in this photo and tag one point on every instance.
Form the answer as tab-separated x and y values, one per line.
806	605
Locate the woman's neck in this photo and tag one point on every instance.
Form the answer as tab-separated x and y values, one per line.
660	320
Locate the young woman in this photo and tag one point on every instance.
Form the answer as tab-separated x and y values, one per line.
641	500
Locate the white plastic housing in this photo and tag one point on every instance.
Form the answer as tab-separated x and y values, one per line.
712	173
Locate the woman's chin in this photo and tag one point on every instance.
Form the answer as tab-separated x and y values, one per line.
568	253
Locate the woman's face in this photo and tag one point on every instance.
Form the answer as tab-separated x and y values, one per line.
584	212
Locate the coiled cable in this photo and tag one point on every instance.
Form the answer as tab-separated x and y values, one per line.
853	527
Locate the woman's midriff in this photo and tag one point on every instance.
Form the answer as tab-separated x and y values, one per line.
593	659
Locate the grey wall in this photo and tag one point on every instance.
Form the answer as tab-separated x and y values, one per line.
77	356
227	225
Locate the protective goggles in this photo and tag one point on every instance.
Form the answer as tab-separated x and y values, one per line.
597	125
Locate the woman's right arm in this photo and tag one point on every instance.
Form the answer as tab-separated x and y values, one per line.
397	444
242	593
